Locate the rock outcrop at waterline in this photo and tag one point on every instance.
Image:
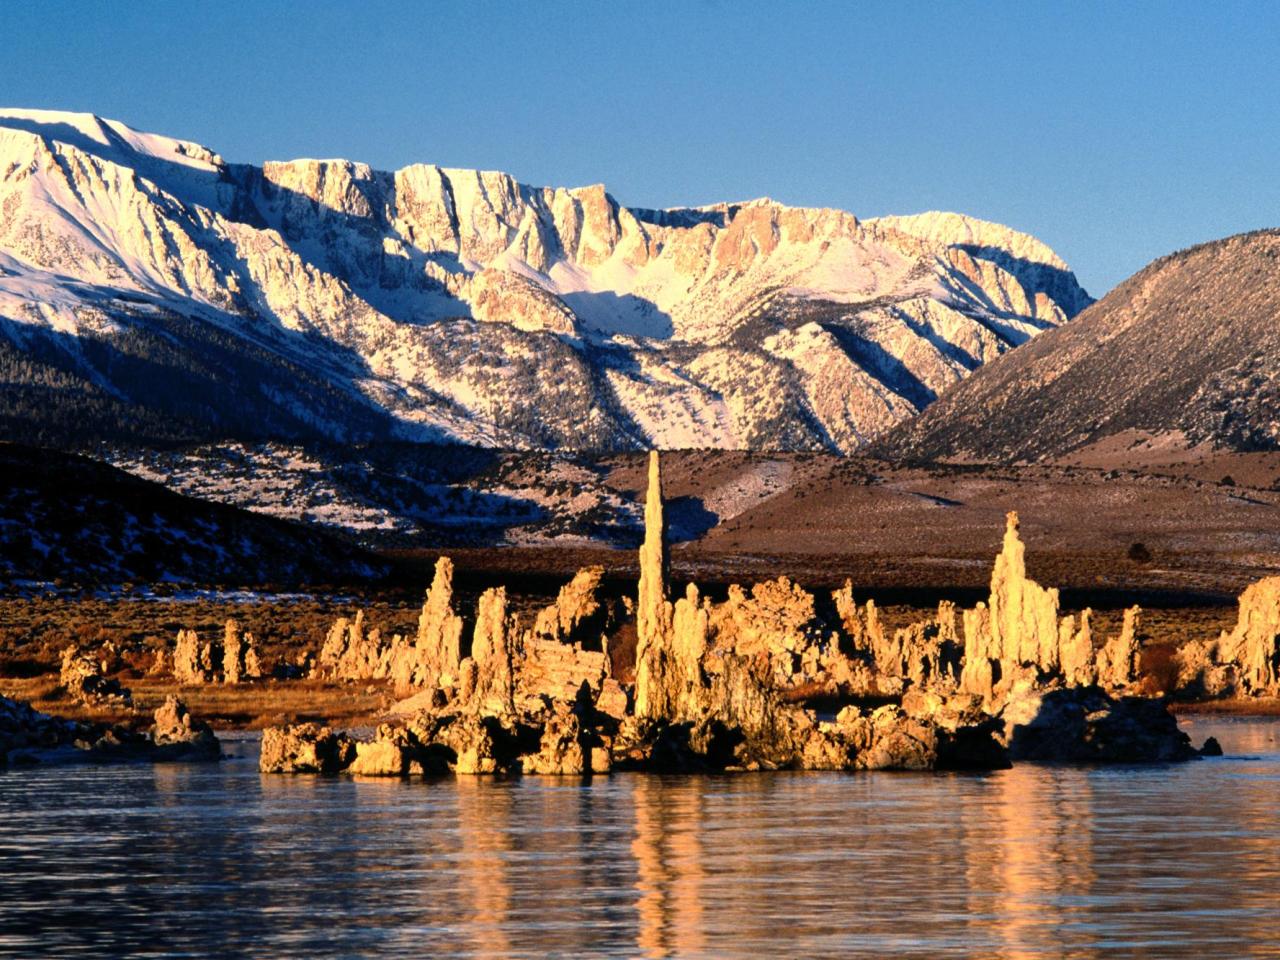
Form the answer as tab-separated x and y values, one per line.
764	680
1244	662
28	737
304	748
181	734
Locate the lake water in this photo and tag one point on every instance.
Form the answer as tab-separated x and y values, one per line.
218	860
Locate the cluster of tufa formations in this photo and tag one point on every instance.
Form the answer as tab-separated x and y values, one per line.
84	678
767	679
1244	662
230	660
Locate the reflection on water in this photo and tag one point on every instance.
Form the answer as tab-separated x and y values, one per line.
1030	862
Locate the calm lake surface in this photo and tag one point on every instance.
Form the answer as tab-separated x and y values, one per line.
218	860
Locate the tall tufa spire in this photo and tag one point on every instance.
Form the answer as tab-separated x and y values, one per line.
653	613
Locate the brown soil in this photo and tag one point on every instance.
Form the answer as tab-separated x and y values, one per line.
919	533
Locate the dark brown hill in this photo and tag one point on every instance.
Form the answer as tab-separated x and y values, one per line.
1187	350
67	518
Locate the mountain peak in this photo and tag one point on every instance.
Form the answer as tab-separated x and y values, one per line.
454	304
108	139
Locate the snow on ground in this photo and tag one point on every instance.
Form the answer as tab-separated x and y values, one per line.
751	487
557	502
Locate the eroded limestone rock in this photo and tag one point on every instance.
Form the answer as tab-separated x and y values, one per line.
472	744
194	661
576	608
433	659
305	748
554	670
1024	615
654	613
239	655
777	620
1244	662
82	677
1253	647
488	682
1018	640
733	686
1201	672
1075	651
866	666
569	745
352	653
181	734
1118	660
380	758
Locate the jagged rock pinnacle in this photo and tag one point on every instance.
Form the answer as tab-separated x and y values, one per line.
653	612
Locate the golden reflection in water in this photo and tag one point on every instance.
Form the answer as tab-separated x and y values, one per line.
1031	849
1255	807
484	894
669	866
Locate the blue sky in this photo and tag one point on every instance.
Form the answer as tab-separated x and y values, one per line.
1116	132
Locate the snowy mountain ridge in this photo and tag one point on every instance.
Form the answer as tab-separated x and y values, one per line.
185	297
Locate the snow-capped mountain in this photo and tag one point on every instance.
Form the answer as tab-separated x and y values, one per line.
151	291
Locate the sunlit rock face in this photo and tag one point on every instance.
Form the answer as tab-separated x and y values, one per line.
660	676
443	304
181	735
1244	662
434	656
1255	642
240	660
194	660
82	677
1018	640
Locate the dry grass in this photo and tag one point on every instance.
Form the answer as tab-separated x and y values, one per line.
243	706
34	632
1261	707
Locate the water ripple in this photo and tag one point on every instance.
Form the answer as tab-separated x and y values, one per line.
199	861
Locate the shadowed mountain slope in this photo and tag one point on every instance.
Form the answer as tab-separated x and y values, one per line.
1184	353
67	518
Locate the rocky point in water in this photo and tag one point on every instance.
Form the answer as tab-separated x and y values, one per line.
762	680
28	736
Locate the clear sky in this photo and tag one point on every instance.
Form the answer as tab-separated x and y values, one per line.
1115	132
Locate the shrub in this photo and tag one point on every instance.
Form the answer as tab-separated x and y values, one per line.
1139	553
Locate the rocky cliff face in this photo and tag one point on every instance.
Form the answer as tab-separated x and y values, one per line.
1185	352
325	298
